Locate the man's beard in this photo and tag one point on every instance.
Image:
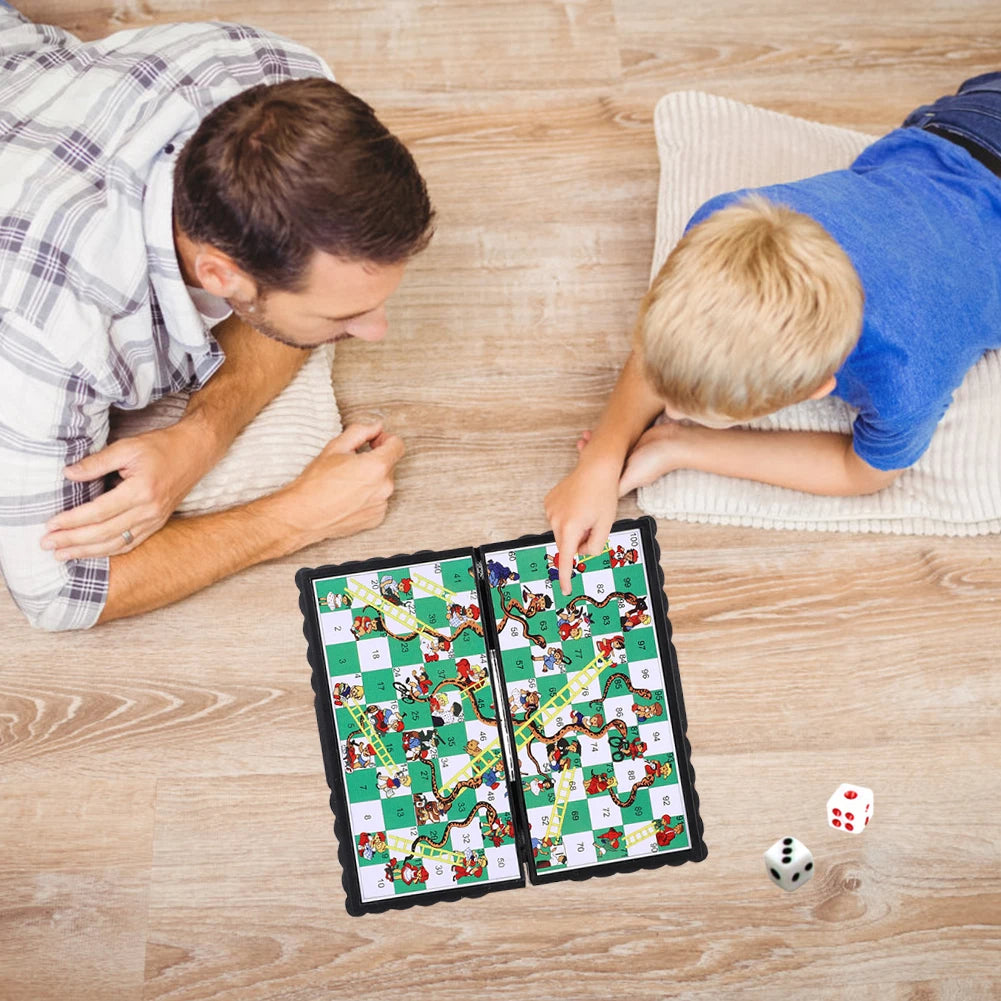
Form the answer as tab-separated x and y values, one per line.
255	315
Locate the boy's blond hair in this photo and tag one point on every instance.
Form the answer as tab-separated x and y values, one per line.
754	309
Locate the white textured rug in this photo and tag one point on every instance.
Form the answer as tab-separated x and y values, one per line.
709	145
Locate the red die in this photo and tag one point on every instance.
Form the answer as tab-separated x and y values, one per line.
850	808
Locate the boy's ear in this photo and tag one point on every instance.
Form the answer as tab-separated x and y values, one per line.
825	389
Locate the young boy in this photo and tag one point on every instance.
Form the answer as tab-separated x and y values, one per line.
880	284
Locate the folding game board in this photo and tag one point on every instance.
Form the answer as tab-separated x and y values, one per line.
464	747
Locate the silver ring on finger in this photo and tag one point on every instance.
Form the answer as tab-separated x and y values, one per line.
128	537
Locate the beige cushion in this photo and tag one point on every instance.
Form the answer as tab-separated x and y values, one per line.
270	451
709	145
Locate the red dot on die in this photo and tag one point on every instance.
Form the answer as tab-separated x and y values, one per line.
849	816
851	794
866	821
836	823
836	812
849	827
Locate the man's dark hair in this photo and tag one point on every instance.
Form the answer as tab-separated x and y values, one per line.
281	171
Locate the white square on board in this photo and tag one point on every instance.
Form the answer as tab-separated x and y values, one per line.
373	653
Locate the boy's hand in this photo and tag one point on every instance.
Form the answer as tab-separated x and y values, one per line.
581	509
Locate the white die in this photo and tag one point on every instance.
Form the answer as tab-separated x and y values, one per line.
789	863
850	808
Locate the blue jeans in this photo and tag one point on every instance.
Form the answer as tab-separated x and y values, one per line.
971	118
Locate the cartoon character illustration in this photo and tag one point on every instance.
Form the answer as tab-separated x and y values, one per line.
534	603
553	659
537	784
593	722
342	691
559	753
384	718
370	845
621	750
391	782
393	592
410	873
541	846
433	646
335	601
427	809
363	625
420	745
597	783
660	769
471	674
358	753
619	557
445	709
500	575
612	837
573	623
524	700
497	830
472	865
665	832
607	644
636	617
648	712
494	774
415	687
460	615
553	567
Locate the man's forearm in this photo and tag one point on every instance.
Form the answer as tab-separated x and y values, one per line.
255	371
816	462
188	554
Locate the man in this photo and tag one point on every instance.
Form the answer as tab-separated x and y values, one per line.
157	185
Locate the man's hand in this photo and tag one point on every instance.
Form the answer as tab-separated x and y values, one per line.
581	509
343	490
157	470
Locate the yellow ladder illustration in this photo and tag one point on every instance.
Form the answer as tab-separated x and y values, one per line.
523	734
547	712
400	615
363	724
471	768
559	809
424	850
594	556
641	835
432	588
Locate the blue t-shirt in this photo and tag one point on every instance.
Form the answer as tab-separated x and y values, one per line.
920	220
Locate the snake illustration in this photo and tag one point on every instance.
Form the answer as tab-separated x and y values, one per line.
514	609
466	687
455	824
577	728
663	770
624	678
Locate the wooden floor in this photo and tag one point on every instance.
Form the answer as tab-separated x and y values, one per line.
164	828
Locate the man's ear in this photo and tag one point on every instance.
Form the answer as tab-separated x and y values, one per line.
219	275
824	389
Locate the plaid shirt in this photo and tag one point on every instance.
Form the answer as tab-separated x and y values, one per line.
94	312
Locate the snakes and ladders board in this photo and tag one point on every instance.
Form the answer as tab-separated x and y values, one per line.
479	727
